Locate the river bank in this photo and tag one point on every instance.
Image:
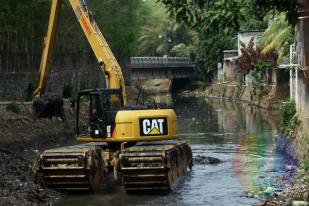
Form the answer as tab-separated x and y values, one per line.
270	100
21	132
298	193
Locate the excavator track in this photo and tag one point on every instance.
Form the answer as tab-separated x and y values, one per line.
154	166
73	168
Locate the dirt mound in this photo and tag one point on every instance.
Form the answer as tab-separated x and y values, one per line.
23	128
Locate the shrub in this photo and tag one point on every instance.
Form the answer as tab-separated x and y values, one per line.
195	84
29	92
13	107
288	118
68	90
304	164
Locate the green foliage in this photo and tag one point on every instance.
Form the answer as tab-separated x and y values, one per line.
291	7
260	89
252	59
23	25
13	107
212	14
120	23
304	164
260	68
155	23
288	118
29	92
182	50
215	24
195	84
83	85
68	90
159	33
278	36
258	74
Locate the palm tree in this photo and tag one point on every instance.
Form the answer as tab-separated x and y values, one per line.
277	37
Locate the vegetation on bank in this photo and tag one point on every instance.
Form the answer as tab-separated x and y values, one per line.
288	124
13	107
304	163
288	117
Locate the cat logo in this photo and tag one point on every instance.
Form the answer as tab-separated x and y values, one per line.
153	126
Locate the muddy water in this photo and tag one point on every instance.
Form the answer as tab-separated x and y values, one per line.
243	141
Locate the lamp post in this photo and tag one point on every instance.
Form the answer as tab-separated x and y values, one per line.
166	41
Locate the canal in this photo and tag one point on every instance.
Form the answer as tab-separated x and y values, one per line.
243	140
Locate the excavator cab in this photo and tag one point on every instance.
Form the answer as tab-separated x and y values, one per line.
96	110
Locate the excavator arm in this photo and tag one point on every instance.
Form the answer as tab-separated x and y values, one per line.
104	55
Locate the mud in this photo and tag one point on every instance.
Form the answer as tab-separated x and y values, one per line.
20	132
17	185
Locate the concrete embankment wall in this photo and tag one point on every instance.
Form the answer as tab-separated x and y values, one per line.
79	68
13	86
275	94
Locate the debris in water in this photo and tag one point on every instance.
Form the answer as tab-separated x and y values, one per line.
199	159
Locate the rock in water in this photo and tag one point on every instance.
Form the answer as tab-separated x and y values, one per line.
199	159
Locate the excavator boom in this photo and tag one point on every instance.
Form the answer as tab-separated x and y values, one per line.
103	53
52	105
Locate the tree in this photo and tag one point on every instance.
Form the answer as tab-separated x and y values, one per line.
291	7
23	25
215	23
159	32
278	36
252	58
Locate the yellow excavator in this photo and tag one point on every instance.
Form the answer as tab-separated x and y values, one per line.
134	146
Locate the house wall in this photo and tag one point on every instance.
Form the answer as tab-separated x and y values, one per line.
229	65
303	97
245	37
229	70
301	94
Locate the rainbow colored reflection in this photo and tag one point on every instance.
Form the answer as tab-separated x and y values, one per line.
264	164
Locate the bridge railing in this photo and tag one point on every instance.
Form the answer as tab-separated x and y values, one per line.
137	62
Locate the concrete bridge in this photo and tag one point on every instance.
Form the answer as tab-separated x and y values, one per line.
161	68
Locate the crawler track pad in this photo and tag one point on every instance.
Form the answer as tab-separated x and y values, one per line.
71	168
154	166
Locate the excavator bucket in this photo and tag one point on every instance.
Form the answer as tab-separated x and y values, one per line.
48	106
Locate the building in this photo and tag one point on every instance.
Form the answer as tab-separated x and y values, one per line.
227	72
299	83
